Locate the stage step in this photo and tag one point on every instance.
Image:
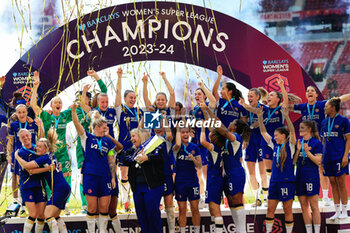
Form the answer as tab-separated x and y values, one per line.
338	225
343	231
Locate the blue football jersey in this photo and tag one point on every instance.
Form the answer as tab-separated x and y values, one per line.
312	112
287	174
306	169
96	154
334	130
228	111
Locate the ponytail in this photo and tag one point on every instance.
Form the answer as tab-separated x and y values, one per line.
293	99
243	129
51	141
263	93
283	151
335	102
313	126
97	120
236	94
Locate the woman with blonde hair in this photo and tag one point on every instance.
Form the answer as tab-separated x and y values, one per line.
98	168
60	188
146	177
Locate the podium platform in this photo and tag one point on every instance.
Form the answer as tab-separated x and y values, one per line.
255	222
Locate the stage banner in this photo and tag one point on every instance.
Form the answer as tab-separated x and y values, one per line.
155	31
254	224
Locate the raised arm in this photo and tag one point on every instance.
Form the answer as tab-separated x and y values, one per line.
171	103
284	92
262	127
39	123
210	96
168	133
100	83
148	103
33	99
217	83
222	129
118	145
85	107
345	97
196	160
9	148
118	98
78	126
292	137
297	152
248	107
203	140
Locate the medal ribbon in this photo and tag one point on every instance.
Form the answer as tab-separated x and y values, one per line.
103	114
278	153
56	122
311	116
29	150
330	125
25	125
270	115
99	143
227	102
133	113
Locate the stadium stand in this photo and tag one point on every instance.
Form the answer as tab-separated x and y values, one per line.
276	5
344	60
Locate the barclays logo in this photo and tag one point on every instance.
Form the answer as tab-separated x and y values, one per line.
14	74
274	62
82	27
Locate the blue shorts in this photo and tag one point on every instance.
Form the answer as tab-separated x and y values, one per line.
35	195
333	168
97	186
310	188
204	154
187	191
59	196
267	152
115	192
282	191
215	187
253	152
234	184
168	185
